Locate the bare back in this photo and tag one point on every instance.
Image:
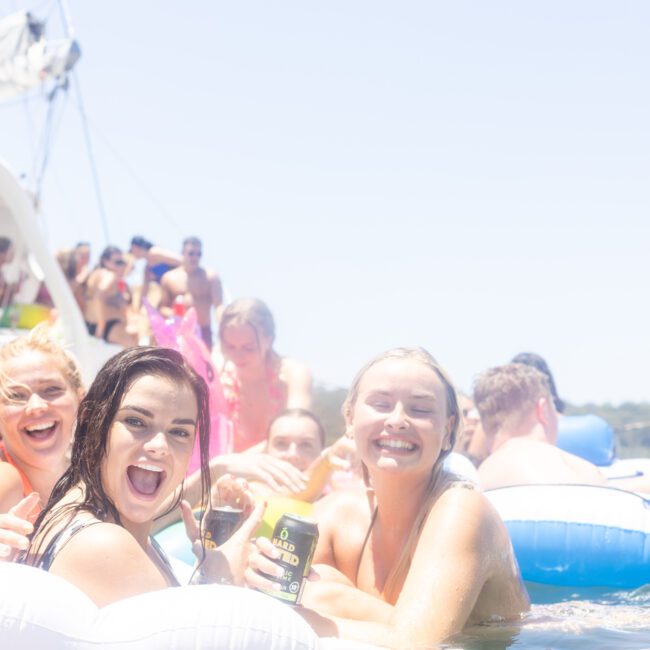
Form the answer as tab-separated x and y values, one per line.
521	461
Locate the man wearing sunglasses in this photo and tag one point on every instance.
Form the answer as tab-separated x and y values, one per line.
190	285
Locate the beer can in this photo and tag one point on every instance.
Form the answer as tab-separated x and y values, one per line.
219	525
295	538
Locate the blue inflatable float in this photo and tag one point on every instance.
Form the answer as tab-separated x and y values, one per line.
587	436
577	535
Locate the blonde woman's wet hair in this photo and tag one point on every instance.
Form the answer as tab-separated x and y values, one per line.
249	311
41	340
398	573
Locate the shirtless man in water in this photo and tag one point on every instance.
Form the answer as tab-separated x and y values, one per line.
198	287
520	422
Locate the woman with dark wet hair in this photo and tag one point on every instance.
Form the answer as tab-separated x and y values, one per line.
135	432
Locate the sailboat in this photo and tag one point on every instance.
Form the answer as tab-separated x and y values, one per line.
27	61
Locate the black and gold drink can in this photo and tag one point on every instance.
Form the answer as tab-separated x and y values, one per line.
295	538
220	523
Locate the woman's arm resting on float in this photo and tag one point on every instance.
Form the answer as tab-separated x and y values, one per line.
107	564
332	593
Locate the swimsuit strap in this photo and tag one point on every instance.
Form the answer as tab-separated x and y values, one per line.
165	560
365	542
60	540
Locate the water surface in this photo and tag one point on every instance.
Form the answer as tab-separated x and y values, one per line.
564	617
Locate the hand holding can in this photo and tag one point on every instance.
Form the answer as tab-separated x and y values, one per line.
294	539
220	523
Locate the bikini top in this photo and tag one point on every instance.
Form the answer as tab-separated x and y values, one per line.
61	538
232	394
116	300
4	456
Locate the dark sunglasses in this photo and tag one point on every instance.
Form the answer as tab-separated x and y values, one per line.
119	262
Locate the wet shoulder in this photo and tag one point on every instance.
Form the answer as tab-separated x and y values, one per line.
465	514
107	563
99	546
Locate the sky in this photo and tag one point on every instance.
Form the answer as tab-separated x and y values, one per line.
471	177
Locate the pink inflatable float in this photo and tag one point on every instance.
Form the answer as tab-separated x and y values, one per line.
182	334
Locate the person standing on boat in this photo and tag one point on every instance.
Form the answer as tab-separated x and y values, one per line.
190	285
108	299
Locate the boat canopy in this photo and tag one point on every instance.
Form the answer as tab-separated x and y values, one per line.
27	58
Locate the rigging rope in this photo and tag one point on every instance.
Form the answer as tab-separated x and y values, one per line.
137	179
38	172
91	158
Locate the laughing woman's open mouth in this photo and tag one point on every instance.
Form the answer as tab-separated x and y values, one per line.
145	480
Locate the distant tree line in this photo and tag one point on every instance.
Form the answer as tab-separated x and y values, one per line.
630	421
